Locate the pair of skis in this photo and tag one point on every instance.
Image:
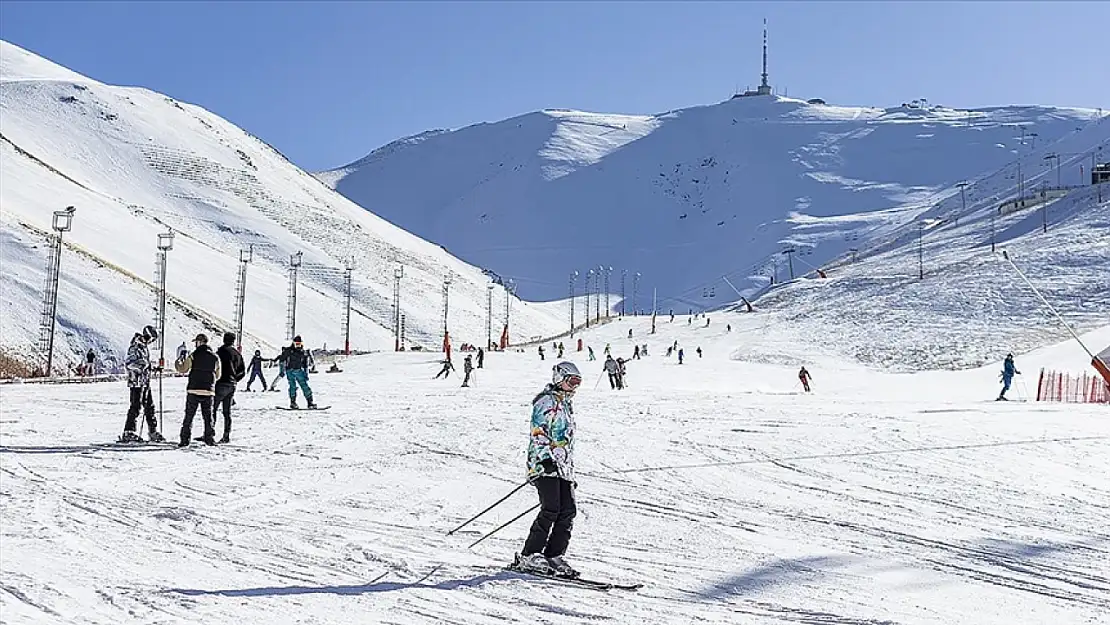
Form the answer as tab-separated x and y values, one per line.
577	581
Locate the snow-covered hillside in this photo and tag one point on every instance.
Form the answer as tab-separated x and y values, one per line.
881	499
134	162
689	196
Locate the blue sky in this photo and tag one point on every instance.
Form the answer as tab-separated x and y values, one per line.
326	83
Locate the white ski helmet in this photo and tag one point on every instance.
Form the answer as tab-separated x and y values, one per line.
563	371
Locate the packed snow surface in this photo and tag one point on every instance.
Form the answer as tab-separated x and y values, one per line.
734	498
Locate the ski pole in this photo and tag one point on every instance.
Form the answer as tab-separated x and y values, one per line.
504	525
599	376
495	504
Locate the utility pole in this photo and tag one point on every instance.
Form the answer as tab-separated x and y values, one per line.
624	274
508	299
62	222
446	301
994	213
573	275
654	301
920	251
245	258
790	259
1049	157
774	268
348	270
291	312
963	198
489	315
597	293
586	292
635	288
398	273
608	309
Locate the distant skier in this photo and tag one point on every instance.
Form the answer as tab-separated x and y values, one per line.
610	367
699	351
1008	371
280	360
643	351
231	372
670	350
728	327
636	353
707	322
446	370
256	370
620	373
90	362
551	471
297	362
540	350
607	349
630	333
680	355
560	349
591	352
468	366
804	376
138	383
203	367
481	357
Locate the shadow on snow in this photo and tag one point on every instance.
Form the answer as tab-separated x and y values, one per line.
353	589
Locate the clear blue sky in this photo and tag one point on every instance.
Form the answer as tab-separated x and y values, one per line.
326	83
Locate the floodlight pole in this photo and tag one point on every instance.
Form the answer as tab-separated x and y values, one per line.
291	316
398	273
348	272
573	276
635	287
165	244
62	222
245	258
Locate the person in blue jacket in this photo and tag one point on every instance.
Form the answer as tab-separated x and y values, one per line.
1008	371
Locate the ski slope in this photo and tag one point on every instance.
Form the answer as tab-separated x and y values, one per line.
693	197
881	498
134	163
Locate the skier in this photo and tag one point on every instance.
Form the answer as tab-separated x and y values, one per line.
707	322
636	353
1008	371
540	350
643	351
446	370
256	370
297	361
680	355
630	333
670	350
804	376
468	366
607	350
281	366
231	372
611	368
90	362
551	471
481	357
620	373
203	367
699	351
591	352
560	349
138	382
728	328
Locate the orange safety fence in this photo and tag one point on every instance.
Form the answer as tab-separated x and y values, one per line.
1072	388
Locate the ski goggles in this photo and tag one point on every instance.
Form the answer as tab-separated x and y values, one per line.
572	381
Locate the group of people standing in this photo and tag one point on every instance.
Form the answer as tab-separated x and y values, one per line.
211	384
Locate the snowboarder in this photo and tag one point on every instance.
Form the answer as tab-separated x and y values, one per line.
90	362
481	357
699	351
203	367
591	352
138	383
540	350
551	471
680	355
297	361
636	353
256	370
1008	371
231	372
468	366
804	376
611	368
448	367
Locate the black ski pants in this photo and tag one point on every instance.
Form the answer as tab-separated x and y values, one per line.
466	380
225	393
192	402
613	381
550	533
256	373
141	398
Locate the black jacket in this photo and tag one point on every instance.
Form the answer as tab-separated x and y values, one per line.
231	365
203	367
295	358
256	364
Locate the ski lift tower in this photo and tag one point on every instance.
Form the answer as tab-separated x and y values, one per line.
398	273
62	222
165	244
348	270
245	258
291	313
573	277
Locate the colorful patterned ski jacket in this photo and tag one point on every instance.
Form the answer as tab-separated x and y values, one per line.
552	436
138	363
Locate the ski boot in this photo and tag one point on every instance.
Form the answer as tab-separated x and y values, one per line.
534	563
293	405
312	405
155	437
129	436
561	568
226	439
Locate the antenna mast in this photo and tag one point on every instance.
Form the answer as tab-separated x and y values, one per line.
764	87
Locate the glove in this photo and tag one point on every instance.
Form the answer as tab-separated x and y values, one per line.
549	467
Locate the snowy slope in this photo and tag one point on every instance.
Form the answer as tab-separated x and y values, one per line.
134	162
688	196
881	499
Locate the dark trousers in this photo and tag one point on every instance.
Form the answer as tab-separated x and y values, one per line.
466	379
224	394
192	402
550	533
141	398
256	373
612	380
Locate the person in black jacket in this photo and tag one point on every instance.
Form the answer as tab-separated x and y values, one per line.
297	362
203	367
256	370
231	371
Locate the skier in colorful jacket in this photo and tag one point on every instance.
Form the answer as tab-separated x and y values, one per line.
551	471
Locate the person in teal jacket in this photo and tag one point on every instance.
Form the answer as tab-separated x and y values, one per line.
1008	371
551	471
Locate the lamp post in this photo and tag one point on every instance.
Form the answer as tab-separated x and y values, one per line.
489	315
291	312
586	292
398	273
245	258
624	274
165	244
573	276
61	222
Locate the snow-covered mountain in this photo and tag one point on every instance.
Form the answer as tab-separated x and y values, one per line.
690	198
134	162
